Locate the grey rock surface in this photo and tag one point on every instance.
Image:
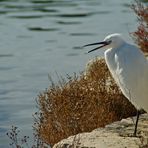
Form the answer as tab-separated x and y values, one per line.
116	135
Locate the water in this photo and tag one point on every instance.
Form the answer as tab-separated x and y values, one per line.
40	37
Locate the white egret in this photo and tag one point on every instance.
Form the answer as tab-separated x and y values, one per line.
129	68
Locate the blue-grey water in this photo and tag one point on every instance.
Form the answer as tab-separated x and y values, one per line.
41	37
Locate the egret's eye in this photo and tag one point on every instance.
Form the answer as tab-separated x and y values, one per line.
108	42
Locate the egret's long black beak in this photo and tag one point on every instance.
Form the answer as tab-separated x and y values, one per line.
104	43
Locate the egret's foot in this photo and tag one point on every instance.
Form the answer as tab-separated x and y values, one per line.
129	133
134	134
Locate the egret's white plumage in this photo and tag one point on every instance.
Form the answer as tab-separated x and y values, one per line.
129	68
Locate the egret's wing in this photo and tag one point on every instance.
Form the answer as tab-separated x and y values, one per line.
132	72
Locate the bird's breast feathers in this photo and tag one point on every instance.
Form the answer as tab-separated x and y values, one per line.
129	68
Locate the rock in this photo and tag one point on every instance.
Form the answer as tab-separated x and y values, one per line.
115	135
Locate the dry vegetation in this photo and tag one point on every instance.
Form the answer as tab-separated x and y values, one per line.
81	104
141	35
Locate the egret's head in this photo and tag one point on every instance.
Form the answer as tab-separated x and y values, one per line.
111	41
114	40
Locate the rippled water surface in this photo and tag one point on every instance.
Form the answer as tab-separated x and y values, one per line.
41	37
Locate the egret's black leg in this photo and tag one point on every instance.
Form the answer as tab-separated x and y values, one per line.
135	131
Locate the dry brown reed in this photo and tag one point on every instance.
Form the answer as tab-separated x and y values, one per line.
81	104
141	34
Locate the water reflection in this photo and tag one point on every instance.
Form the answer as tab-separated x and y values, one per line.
82	34
61	22
72	54
42	29
28	16
2	68
6	55
71	15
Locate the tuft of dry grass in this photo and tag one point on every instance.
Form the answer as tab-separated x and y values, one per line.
141	34
81	104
